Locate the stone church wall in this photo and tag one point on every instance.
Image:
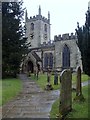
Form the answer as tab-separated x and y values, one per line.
75	56
41	43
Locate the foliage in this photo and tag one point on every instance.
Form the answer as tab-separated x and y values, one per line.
14	43
83	35
10	88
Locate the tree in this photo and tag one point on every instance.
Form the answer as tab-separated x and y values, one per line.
14	44
83	35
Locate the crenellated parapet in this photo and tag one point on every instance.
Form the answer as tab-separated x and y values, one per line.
38	17
47	44
66	36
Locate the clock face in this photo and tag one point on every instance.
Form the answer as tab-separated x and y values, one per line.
45	36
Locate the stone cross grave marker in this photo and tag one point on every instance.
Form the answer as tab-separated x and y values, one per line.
65	105
79	96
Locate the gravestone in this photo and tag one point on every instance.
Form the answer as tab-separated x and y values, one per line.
56	78
79	96
65	105
48	85
36	72
48	76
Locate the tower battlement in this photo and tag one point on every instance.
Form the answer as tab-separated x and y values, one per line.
38	17
65	36
38	28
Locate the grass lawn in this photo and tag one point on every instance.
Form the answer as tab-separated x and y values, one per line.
80	109
10	88
42	80
84	78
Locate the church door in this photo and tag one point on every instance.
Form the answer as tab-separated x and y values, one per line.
66	57
30	66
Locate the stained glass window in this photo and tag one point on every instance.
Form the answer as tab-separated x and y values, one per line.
45	28
45	60
51	60
66	57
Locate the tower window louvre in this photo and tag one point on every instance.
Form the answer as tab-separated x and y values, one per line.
32	26
45	28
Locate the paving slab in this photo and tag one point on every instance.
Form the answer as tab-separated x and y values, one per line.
32	102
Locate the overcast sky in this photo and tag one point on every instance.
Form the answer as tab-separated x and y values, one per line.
64	14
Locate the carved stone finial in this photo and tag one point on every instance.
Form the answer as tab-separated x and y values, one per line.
39	10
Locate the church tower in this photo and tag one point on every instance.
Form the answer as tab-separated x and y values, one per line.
89	5
37	29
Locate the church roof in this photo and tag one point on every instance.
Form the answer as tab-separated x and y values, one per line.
36	56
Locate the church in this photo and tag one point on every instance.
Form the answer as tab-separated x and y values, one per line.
61	53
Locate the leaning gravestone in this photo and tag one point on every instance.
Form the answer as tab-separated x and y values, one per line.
65	93
79	96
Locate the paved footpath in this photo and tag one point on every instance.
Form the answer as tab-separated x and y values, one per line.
32	102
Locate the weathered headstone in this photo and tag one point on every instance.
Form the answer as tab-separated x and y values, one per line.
65	93
48	76
36	72
56	78
48	85
79	96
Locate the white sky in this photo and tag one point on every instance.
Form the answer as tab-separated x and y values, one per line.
64	14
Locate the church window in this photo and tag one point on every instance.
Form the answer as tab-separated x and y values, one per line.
45	36
45	28
66	57
32	26
51	60
46	60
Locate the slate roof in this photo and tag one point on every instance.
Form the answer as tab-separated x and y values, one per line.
36	56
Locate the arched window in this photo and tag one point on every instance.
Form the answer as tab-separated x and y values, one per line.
51	60
45	60
32	26
66	57
45	28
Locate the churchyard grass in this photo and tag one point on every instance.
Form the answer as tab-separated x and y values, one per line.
84	78
42	80
80	109
10	88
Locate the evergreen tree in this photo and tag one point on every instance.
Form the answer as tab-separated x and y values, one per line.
83	34
14	45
